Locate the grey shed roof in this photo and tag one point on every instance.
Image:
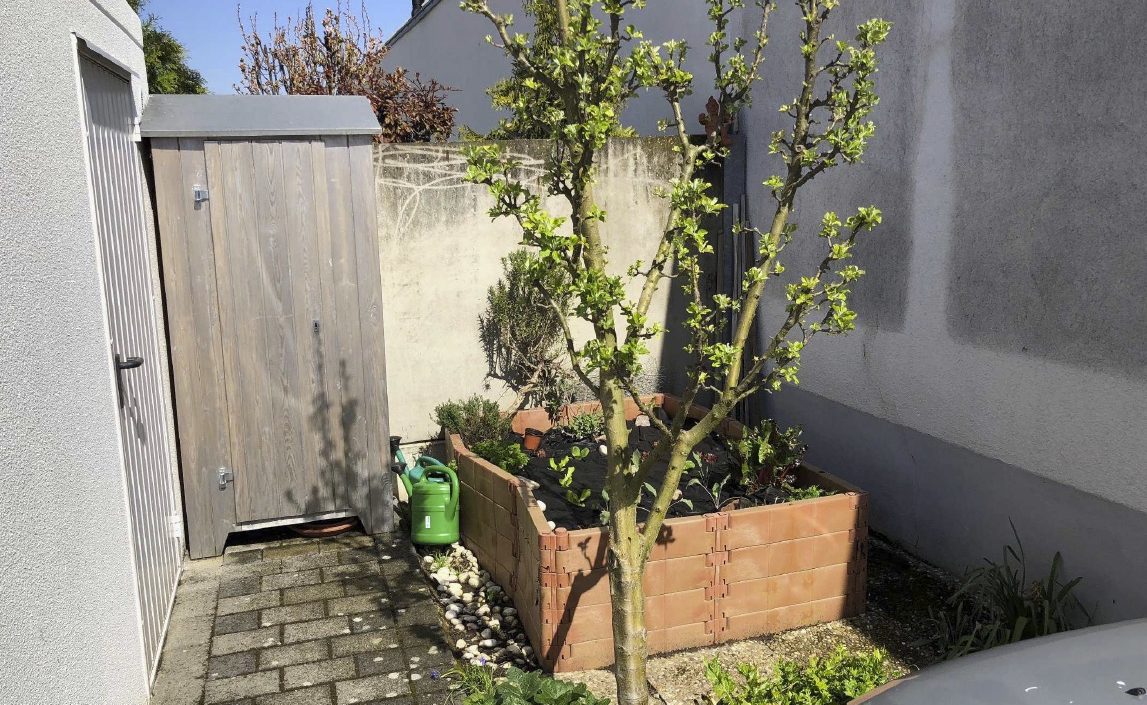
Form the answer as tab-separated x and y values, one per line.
257	116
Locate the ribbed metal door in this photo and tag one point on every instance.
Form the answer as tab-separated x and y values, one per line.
133	311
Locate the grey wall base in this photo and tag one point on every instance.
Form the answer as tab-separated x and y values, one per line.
951	506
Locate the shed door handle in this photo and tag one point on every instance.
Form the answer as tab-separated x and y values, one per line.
121	364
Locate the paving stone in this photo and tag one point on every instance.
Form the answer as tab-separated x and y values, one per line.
430	659
242	641
247	686
310	593
350	570
430	683
302	612
245	603
400	700
406	598
374	662
242	557
367	641
357	555
231	665
289	550
364	585
319	695
416	615
309	674
419	637
370	688
338	543
278	581
368	602
315	629
241	585
371	621
238	622
291	654
307	562
265	567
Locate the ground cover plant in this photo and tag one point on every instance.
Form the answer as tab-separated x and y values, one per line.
476	419
520	687
575	84
995	604
833	680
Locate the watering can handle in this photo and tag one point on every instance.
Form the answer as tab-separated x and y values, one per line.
427	462
452	505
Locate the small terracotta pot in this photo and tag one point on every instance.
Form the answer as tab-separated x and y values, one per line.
532	440
324	527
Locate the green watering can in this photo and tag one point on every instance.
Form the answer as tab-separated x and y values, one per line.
433	491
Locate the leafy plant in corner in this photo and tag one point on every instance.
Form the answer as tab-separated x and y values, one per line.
585	425
574	86
833	680
768	454
996	605
507	455
475	419
700	468
522	335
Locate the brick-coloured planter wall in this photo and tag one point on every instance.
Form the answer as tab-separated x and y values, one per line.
712	578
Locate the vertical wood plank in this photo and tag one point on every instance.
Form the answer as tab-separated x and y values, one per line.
194	332
345	369
309	403
281	481
372	471
234	222
328	405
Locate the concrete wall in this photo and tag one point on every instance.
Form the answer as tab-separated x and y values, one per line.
441	252
69	629
998	370
447	44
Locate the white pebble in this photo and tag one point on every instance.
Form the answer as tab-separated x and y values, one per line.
541	505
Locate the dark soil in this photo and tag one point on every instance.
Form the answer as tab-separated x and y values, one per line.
590	474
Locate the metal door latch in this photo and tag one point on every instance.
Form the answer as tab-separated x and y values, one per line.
225	476
200	194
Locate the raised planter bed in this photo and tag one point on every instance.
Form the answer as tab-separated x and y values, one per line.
713	578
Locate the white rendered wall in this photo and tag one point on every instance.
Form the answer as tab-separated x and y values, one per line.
69	627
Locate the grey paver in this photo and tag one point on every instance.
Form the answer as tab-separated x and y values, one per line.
278	581
244	641
309	593
338	543
290	549
294	653
231	665
371	621
247	686
350	570
309	561
367	641
316	629
245	603
367	602
302	612
319	695
308	674
370	688
374	662
240	585
238	622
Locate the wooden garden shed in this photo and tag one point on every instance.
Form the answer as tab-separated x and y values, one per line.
271	278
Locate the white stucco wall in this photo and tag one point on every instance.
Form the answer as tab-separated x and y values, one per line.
69	627
449	45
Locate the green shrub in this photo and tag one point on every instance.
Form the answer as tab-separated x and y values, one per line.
769	448
507	455
585	425
833	680
476	419
996	605
522	688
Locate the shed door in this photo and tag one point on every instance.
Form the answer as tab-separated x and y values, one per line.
118	194
282	221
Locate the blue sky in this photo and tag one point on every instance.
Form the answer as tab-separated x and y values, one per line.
210	28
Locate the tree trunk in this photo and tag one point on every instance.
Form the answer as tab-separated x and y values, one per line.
629	635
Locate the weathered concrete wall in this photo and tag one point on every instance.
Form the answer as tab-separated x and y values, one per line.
440	253
998	368
447	44
70	630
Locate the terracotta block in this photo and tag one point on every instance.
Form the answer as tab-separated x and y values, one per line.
592	622
585	655
807	586
678	608
686	536
586	552
586	588
686	636
503	491
813	552
804	614
677	574
748	527
744	597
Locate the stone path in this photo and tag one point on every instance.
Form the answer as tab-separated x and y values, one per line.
305	622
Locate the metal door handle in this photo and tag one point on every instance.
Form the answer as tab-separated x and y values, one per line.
121	364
